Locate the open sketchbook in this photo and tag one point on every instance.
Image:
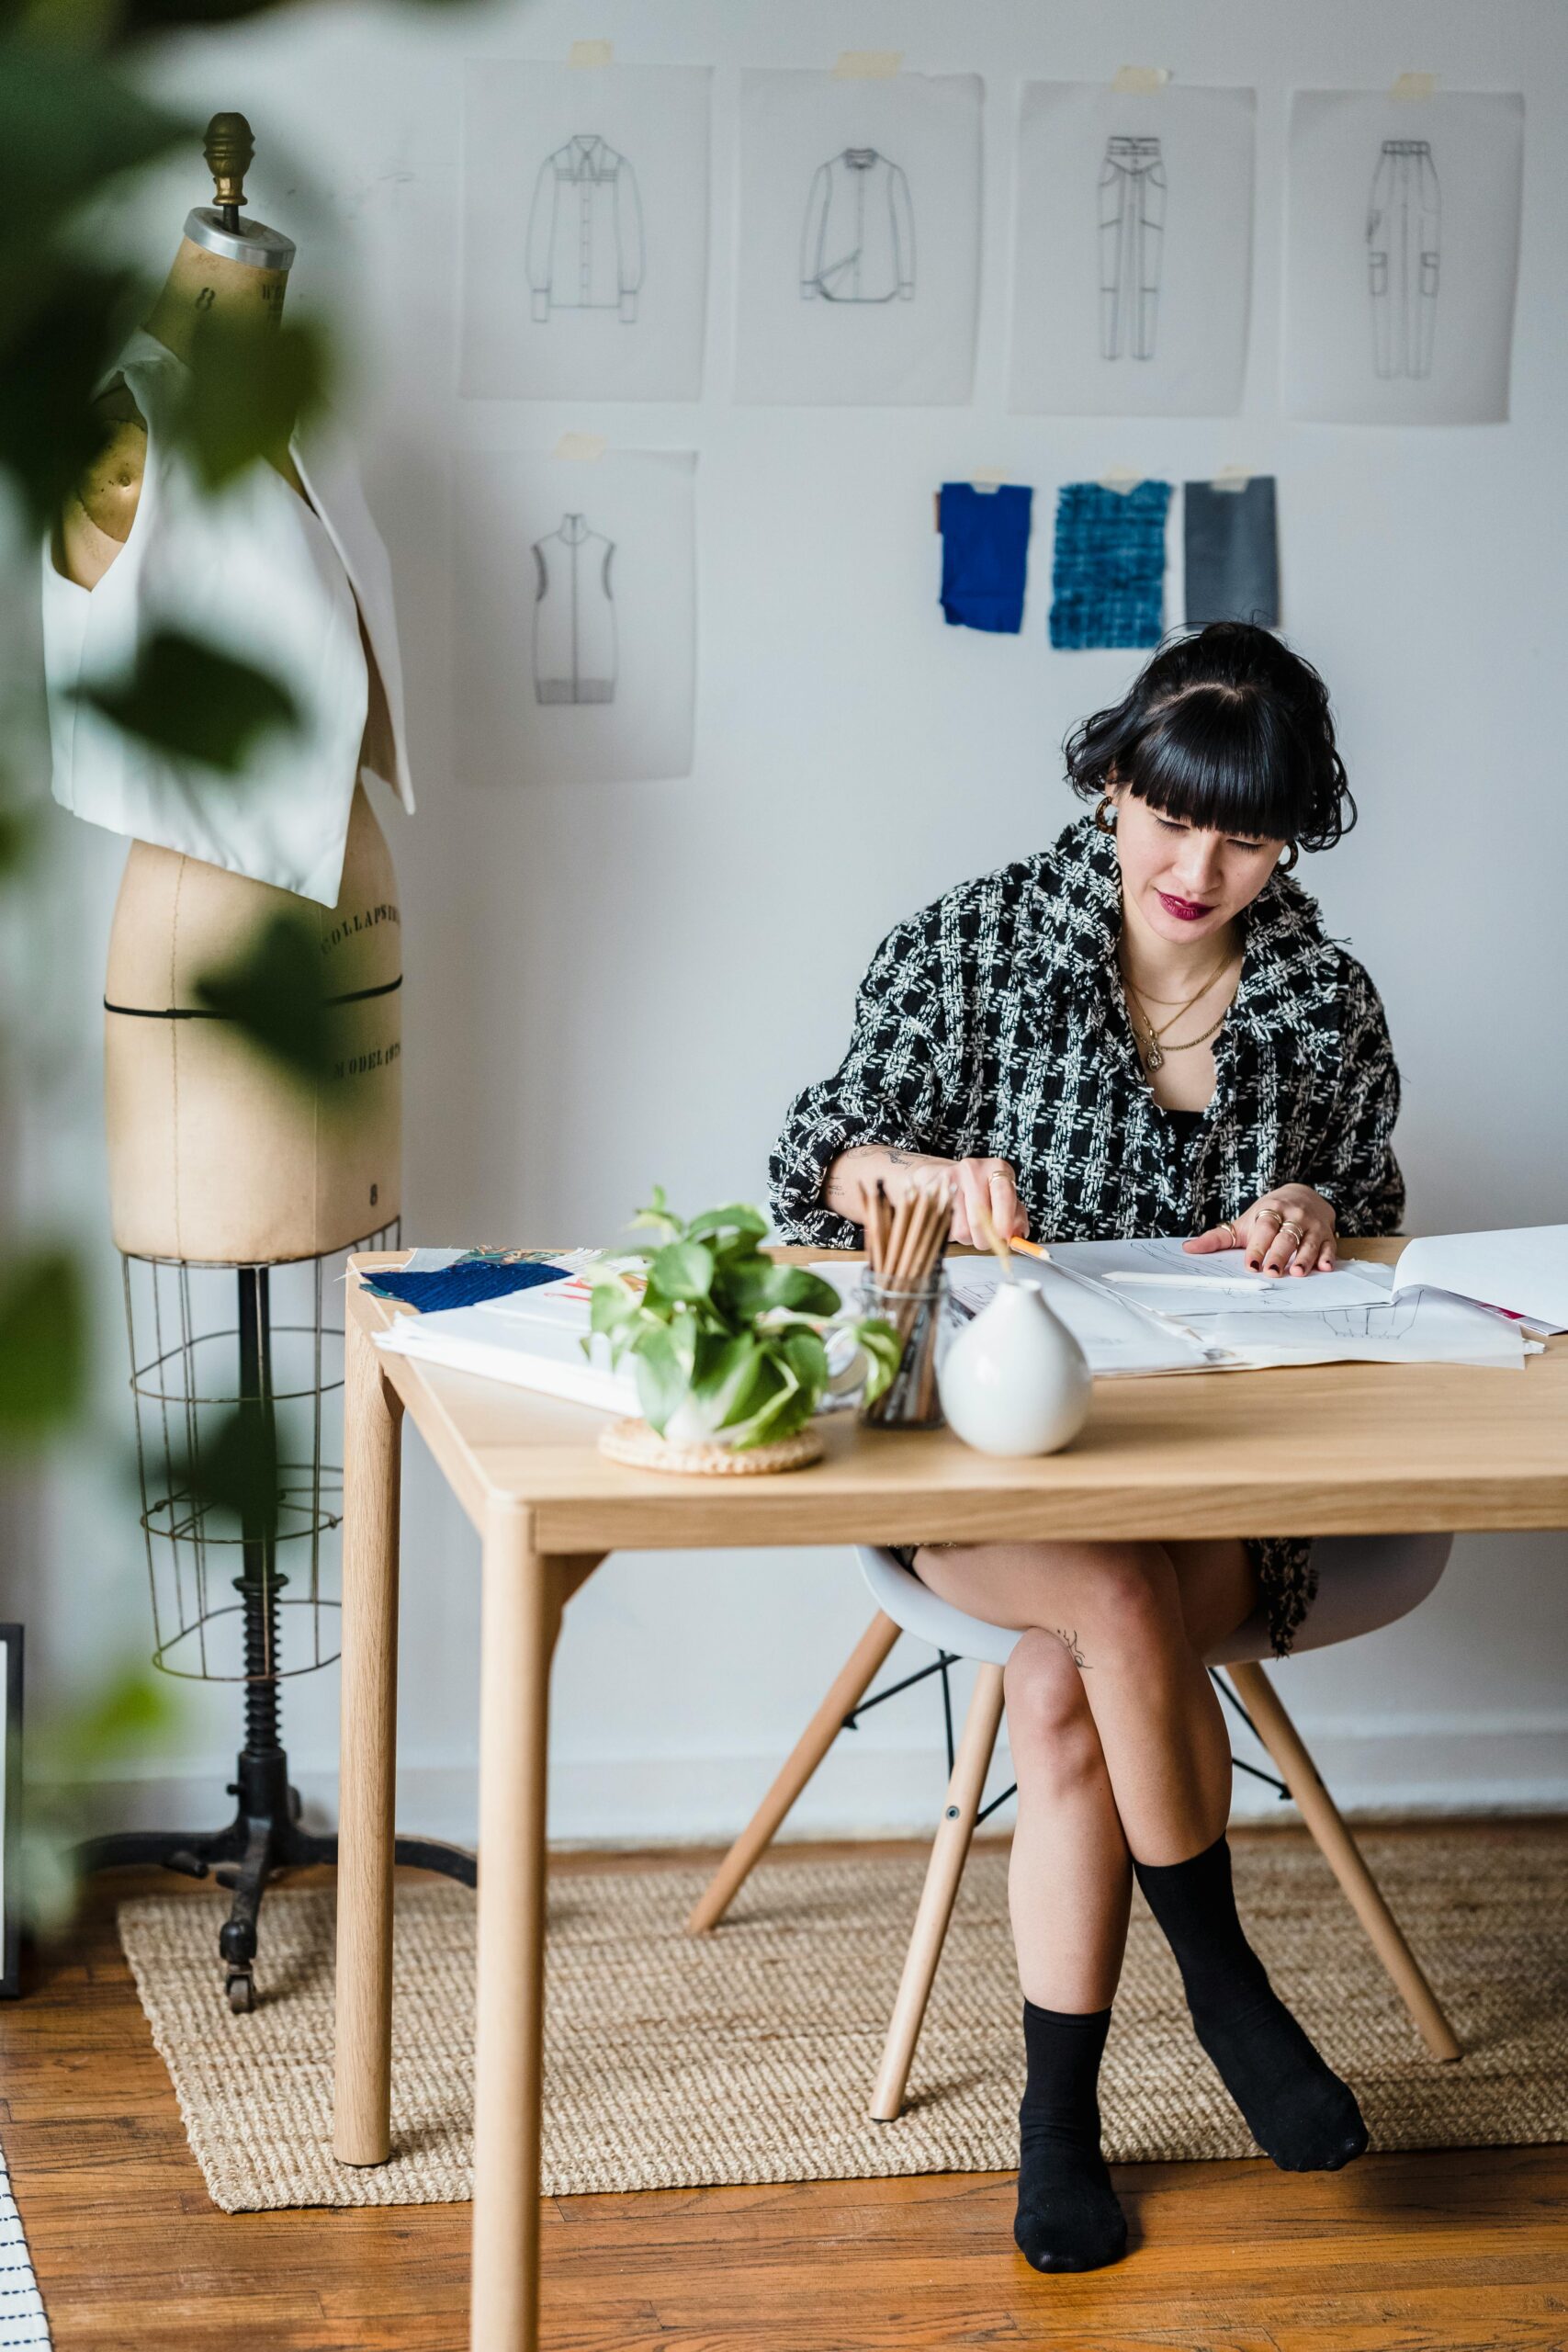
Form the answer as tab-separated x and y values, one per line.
1146	1307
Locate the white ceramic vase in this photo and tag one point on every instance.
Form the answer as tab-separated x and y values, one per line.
1015	1380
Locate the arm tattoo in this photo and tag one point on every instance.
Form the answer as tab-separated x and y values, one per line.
1072	1642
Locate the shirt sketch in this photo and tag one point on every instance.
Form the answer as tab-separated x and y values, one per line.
585	246
858	242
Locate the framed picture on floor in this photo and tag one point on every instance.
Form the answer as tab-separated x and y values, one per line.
10	1807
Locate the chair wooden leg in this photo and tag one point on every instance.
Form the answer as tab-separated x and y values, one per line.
950	1850
1339	1851
849	1687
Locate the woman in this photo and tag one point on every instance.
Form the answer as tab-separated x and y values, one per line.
1144	1029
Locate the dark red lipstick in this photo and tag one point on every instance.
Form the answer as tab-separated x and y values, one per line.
1184	909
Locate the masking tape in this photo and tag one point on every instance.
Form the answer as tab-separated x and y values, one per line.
1413	86
868	65
589	53
587	446
1139	81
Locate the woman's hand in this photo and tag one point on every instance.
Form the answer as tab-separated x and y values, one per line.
1290	1230
981	1188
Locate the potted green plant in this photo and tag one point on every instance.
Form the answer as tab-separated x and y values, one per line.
730	1349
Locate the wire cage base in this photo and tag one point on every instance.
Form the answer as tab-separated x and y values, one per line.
257	1348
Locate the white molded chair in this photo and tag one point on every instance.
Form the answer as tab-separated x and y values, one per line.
1364	1581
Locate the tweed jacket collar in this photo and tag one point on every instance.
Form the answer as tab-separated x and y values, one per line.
1288	962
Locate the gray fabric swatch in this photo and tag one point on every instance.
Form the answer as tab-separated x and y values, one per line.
1232	553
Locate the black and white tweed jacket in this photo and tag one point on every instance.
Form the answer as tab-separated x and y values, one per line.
992	1024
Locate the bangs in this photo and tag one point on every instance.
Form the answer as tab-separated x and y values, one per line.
1222	762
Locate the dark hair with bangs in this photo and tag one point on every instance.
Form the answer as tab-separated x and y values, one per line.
1228	729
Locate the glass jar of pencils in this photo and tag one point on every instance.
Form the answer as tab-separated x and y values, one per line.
917	1309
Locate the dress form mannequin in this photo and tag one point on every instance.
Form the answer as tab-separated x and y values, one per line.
214	1155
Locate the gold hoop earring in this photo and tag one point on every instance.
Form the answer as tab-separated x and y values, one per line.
1105	802
1287	862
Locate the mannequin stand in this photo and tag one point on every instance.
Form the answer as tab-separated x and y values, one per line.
266	1837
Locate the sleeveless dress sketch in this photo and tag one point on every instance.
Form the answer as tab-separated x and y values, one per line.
574	615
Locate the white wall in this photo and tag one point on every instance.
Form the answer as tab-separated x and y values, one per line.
614	985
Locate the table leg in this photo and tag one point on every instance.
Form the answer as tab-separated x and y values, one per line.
368	1755
524	1593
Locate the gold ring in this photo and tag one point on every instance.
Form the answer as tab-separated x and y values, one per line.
1266	1208
1288	1226
1228	1227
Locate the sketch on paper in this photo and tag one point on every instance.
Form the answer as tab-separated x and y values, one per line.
1132	240
585	242
1133	250
585	224
859	224
858	241
574	615
1404	246
1402	242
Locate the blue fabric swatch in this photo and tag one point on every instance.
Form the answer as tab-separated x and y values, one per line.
985	555
468	1284
1107	576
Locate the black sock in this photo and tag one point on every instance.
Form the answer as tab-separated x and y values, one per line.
1296	2108
1068	2218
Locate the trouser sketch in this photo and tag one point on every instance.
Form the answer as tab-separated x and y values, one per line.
1131	235
1404	240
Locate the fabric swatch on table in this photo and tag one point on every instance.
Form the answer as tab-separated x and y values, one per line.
1231	548
985	555
1108	572
468	1284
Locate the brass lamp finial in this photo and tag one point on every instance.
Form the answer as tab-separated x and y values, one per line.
229	148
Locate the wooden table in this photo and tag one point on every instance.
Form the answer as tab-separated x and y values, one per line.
1341	1448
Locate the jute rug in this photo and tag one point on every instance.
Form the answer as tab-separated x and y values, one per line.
749	2055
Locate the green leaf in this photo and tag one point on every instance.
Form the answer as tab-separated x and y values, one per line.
252	382
42	1347
658	1217
739	1218
683	1270
232	1474
808	1359
755	1286
60	328
662	1375
69	127
188	699
883	1350
273	992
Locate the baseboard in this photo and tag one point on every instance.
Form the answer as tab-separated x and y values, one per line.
1427	1764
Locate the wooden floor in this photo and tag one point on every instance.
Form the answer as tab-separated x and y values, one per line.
1439	2253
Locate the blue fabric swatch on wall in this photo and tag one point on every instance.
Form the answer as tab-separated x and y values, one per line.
1107	576
985	555
1231	543
468	1284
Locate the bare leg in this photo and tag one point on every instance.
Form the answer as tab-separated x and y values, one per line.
1135	1618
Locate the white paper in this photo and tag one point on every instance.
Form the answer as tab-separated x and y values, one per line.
585	231
575	617
1158	1261
1133	256
1119	1338
1525	1271
858	256
1401	255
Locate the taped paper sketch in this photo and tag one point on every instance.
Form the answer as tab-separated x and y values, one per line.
585	241
1404	246
1132	240
574	615
858	241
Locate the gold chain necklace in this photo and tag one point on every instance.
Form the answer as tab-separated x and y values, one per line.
1154	1052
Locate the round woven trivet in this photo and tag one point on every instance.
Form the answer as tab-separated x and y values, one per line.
634	1442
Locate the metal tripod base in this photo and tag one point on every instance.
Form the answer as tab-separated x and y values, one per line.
263	1839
